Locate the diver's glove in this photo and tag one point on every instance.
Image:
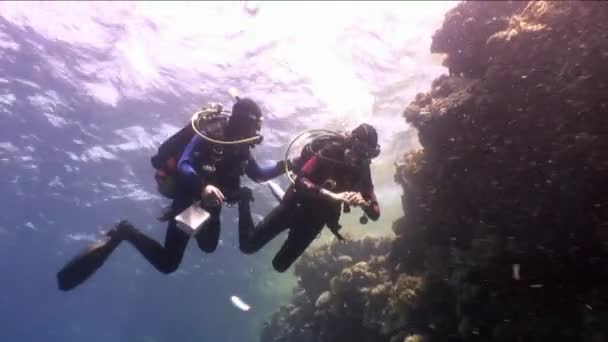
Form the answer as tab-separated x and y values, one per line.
294	163
290	163
280	165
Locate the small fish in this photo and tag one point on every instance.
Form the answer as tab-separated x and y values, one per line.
239	303
516	272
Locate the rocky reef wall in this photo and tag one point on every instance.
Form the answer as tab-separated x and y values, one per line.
505	229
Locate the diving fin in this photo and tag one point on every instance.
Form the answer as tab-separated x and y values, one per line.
276	190
83	265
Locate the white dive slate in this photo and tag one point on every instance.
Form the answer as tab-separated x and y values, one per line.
192	219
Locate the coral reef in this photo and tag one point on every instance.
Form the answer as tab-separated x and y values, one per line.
512	172
337	294
505	229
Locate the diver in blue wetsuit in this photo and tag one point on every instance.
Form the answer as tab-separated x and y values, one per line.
205	172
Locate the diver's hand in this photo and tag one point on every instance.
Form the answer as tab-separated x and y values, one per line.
337	197
355	199
212	195
345	197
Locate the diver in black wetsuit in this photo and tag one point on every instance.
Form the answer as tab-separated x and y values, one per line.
205	171
335	175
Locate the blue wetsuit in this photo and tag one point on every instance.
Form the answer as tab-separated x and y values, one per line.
188	177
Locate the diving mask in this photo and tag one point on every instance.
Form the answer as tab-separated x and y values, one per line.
359	151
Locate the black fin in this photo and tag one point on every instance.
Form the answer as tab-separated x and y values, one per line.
83	265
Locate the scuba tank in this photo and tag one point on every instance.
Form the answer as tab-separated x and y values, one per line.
319	146
165	160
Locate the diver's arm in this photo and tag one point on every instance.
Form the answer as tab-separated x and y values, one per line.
303	183
371	208
261	174
185	165
310	188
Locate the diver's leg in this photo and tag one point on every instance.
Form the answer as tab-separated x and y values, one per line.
299	238
87	262
165	259
209	235
253	237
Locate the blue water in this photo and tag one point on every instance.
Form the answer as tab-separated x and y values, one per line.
88	90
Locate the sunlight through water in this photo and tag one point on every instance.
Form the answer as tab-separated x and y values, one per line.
309	64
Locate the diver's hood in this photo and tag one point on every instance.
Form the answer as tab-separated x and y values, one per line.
363	141
245	120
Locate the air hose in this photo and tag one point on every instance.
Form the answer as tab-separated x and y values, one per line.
314	132
197	116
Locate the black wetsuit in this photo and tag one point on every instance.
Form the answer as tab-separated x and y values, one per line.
304	211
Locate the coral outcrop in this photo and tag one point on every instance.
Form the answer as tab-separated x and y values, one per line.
505	229
337	294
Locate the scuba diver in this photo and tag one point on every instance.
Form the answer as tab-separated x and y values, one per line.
198	171
332	173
